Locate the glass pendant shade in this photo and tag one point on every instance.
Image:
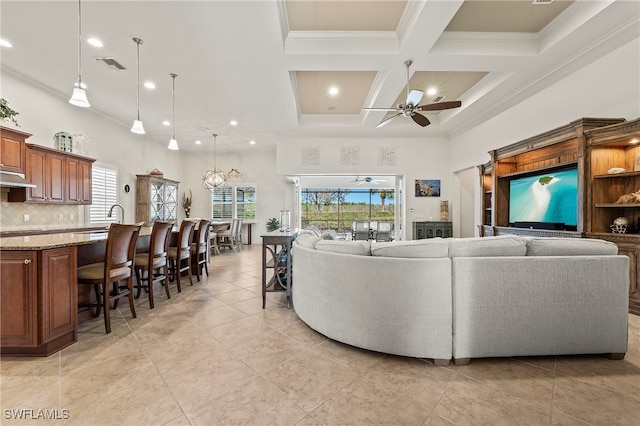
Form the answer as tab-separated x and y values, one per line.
137	123
137	127
79	98
173	143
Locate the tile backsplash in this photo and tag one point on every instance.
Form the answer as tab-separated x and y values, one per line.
41	216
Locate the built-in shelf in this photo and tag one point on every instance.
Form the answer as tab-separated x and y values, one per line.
617	175
618	206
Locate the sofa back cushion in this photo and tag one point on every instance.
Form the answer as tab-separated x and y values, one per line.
361	248
506	245
432	247
308	240
570	247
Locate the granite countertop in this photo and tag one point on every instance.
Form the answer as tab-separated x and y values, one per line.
61	239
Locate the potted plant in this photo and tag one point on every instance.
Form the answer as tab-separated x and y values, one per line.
6	113
273	224
186	203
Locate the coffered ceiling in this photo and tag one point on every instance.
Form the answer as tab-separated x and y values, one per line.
269	64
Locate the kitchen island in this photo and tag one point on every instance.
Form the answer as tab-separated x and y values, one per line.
39	288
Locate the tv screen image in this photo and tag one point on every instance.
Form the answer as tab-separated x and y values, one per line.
550	197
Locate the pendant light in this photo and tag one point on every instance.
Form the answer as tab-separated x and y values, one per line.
173	143
79	97
137	124
214	178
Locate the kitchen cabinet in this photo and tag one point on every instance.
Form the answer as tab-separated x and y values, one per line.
39	301
156	199
60	177
78	181
12	150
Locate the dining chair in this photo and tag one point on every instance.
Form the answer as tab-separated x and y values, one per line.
152	267
106	277
180	256
199	252
228	238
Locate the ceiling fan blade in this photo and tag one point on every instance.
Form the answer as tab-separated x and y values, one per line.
439	106
379	109
386	121
414	97
420	119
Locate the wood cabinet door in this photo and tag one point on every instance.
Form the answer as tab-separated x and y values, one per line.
55	178
58	293
18	299
36	174
72	171
12	153
84	182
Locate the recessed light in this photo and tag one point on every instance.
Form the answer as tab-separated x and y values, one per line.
198	142
634	141
166	123
5	43
149	85
94	42
333	90
233	122
252	142
432	91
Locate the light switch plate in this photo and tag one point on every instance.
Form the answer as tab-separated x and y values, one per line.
26	218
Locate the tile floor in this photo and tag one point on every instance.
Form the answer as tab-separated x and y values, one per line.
211	355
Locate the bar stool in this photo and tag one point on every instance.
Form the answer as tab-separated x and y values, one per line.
117	267
181	253
154	263
199	252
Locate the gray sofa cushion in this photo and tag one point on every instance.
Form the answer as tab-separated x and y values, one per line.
308	240
432	247
569	247
507	245
362	248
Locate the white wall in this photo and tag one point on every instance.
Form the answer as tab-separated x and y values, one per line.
607	88
44	113
414	158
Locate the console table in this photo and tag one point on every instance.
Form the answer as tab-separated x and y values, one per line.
422	230
278	245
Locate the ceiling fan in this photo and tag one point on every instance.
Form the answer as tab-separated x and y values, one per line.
412	107
368	179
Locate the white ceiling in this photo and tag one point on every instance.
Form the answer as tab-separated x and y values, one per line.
267	63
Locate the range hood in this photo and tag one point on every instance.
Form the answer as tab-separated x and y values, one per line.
14	180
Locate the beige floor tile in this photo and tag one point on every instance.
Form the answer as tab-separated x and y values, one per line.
513	377
206	357
308	378
419	381
144	403
367	402
467	401
594	404
256	402
356	359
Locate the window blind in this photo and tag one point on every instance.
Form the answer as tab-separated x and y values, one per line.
104	187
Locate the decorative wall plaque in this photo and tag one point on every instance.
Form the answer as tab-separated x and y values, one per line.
386	156
310	156
350	155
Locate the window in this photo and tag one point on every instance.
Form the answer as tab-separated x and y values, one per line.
234	202
104	193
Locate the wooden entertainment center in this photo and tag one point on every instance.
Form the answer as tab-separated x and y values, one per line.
594	146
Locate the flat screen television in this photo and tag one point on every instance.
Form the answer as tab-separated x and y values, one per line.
549	199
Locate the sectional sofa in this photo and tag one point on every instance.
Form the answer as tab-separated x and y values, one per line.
465	298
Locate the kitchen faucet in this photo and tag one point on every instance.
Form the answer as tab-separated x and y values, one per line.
111	211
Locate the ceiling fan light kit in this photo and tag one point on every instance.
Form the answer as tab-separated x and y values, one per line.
79	96
412	108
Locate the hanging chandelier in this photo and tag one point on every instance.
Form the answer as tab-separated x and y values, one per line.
214	178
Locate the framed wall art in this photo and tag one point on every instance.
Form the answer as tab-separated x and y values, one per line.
427	188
